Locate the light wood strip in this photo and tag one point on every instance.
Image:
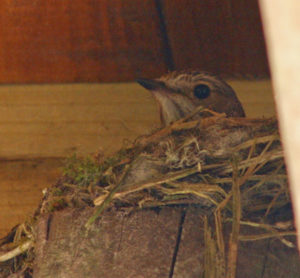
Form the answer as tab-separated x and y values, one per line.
55	120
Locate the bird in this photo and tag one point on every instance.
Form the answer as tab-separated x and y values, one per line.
179	93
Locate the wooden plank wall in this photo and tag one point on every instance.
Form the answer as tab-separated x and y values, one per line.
116	40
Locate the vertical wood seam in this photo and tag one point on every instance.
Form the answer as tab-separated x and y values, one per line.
167	50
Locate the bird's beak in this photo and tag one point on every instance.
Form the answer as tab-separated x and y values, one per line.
168	100
151	84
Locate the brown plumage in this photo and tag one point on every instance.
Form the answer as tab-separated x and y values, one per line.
180	93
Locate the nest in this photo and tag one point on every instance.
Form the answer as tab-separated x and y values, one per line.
232	168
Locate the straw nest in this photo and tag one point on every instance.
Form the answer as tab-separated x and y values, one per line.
233	168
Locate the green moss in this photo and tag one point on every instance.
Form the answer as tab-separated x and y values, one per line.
84	171
57	191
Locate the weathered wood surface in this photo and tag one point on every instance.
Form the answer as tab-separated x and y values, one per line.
143	244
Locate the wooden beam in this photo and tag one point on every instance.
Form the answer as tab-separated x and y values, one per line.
282	28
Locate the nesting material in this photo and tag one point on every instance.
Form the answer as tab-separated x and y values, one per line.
198	162
232	168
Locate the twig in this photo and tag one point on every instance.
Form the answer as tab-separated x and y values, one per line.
234	237
17	251
220	237
267	235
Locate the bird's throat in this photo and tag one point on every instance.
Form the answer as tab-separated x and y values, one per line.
172	106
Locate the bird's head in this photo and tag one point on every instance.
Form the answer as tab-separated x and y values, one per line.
180	93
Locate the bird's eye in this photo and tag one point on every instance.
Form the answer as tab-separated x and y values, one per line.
201	91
